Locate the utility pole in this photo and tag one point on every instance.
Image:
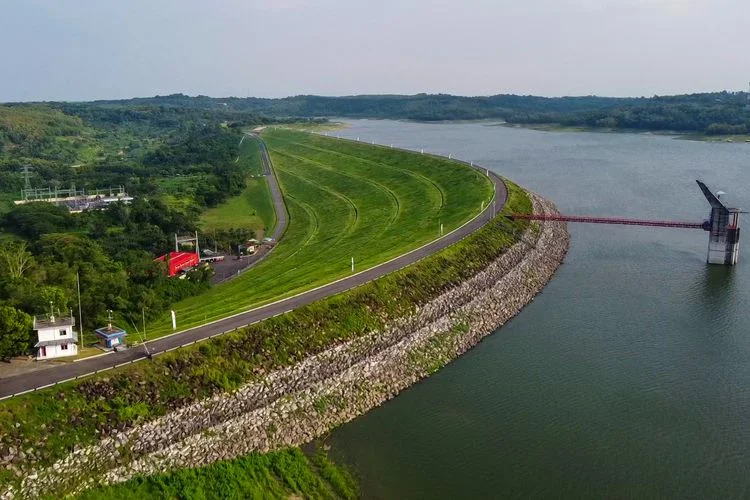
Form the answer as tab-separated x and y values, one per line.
80	316
145	345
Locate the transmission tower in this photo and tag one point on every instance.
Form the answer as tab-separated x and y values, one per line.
26	176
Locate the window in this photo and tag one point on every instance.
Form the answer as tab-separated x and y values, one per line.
63	332
64	347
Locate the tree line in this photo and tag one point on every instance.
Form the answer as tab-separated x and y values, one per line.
708	113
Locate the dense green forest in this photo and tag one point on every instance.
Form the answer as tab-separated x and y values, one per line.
707	113
151	151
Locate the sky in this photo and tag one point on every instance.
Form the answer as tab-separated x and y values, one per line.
106	49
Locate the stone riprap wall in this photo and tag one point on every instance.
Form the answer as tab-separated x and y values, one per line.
293	406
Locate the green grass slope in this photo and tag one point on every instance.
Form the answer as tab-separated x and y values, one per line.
277	475
253	208
345	200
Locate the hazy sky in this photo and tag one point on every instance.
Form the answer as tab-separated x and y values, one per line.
96	49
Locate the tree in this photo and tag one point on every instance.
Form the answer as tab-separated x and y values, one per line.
35	219
15	260
15	332
104	283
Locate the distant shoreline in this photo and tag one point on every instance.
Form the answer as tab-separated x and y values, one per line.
685	136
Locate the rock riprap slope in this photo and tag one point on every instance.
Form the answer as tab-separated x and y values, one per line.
294	405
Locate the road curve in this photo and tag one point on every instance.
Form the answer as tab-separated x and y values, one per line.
43	378
278	198
232	268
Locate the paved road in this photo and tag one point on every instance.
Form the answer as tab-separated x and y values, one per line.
29	381
278	199
233	267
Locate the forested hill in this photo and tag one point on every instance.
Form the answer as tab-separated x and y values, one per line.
707	113
426	107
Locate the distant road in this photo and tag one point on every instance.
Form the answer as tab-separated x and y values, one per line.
42	378
232	267
278	199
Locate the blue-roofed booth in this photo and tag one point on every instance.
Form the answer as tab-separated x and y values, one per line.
111	336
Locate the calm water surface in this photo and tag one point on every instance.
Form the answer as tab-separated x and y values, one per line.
629	376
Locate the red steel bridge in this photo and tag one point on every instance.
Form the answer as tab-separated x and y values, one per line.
610	220
722	226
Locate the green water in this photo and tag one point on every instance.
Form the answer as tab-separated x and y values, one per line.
629	376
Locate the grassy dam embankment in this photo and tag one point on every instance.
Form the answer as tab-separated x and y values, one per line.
344	200
282	382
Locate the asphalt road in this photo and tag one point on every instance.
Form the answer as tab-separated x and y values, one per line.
278	199
233	267
42	378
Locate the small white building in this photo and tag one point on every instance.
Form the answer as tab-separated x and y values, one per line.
55	337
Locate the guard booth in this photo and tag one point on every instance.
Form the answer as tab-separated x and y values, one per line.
110	336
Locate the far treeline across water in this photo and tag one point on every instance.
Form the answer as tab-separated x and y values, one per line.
712	113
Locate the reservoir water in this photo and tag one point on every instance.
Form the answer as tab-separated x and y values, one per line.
629	376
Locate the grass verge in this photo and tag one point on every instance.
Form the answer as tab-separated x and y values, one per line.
253	208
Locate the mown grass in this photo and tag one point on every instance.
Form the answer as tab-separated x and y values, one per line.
252	209
81	412
249	155
345	200
275	475
178	192
315	127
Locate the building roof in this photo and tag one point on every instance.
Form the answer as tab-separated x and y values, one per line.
53	322
67	340
110	332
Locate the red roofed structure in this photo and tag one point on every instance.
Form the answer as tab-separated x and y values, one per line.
179	261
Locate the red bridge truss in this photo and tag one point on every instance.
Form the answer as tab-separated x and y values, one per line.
609	220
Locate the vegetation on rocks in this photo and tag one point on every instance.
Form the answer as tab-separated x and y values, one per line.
276	475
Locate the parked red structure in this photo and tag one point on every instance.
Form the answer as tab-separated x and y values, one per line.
179	261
